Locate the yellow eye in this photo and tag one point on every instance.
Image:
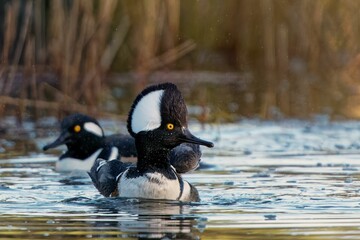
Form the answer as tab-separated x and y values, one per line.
77	128
170	126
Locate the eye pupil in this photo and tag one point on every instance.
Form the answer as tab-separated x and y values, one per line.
170	126
77	128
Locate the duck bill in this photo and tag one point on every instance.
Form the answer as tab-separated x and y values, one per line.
62	139
189	138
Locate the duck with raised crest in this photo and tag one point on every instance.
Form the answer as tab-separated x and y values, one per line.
158	122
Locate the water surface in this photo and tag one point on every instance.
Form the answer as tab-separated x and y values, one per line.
278	180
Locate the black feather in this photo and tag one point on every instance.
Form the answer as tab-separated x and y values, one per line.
125	144
103	175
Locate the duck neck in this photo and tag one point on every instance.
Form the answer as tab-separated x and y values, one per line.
85	148
151	156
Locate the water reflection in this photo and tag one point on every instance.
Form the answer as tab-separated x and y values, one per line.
105	217
148	218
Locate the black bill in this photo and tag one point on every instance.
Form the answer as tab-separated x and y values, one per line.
189	138
62	139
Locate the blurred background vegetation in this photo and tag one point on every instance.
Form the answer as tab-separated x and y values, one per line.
235	58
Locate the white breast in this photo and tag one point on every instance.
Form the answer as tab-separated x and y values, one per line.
71	164
150	185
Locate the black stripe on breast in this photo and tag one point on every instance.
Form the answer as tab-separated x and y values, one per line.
116	192
181	184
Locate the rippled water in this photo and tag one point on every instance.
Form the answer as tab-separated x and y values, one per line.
277	180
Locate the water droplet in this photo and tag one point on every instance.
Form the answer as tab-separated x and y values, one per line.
50	221
270	217
229	183
348	180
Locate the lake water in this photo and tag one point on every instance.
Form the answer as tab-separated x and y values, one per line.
275	180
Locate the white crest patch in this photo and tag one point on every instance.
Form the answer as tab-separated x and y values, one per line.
146	115
93	128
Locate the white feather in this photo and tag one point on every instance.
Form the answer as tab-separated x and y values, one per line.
186	192
146	115
114	153
71	164
101	163
93	128
142	187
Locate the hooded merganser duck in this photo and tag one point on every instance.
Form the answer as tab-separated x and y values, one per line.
85	141
158	122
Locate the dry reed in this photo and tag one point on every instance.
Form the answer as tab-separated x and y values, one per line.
300	53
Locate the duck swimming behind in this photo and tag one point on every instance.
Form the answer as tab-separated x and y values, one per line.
85	141
158	122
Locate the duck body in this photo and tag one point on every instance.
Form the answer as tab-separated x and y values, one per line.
154	177
67	162
156	184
